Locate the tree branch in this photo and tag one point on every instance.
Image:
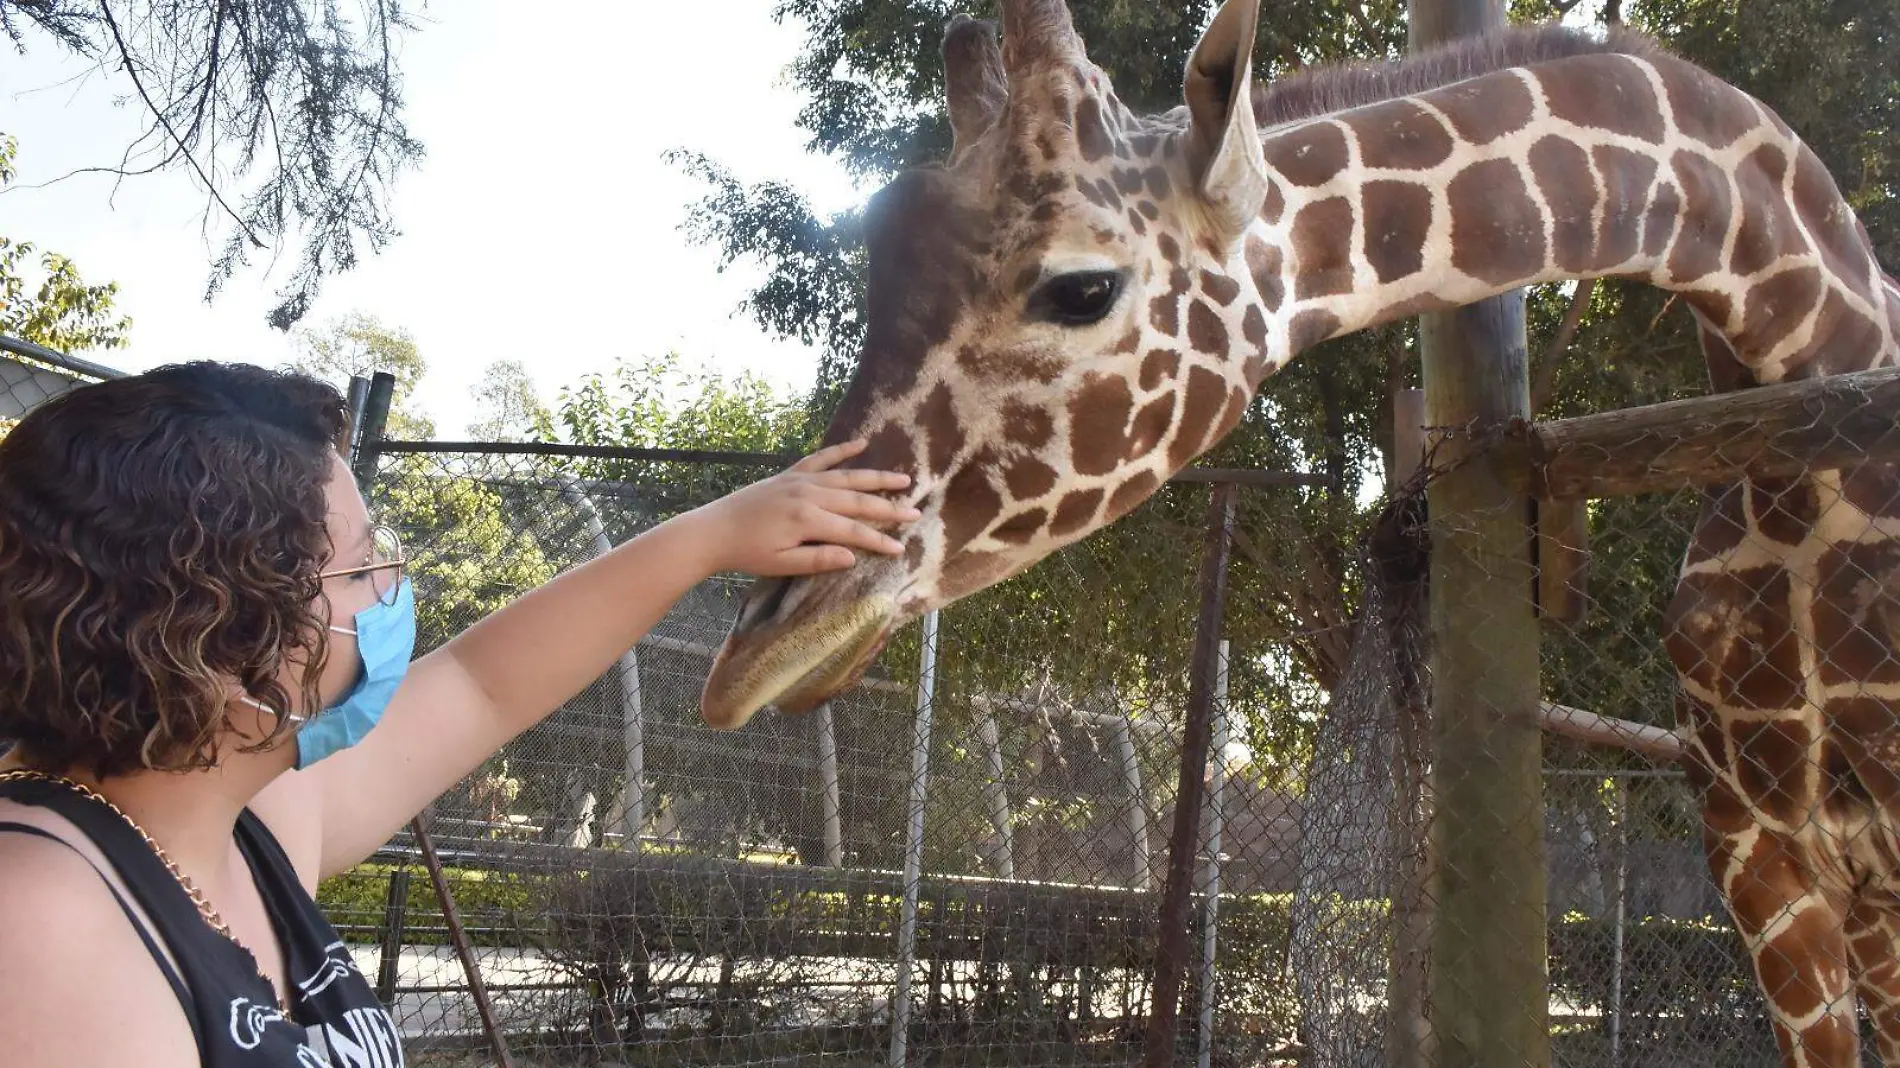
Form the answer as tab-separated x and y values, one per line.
1546	377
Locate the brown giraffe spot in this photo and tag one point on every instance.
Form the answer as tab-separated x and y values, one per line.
1253	327
1842	791
1098	424
1731	632
1026	425
1009	365
1563	175
1857	614
1075	511
1169	248
970	503
1236	409
1399	135
1308	155
1397	216
1497	233
1022	527
1844	339
1703	108
1722	525
1484	110
1148	210
1715	306
913	552
889	449
1786	964
1028	478
1275	204
1129	342
1309	328
1145	143
1158	182
1103	236
938	418
1129	494
1157	367
1874	488
1705	216
1842	240
1091	133
1603	93
1164	312
1776	307
1128	181
1047	146
1151	425
1784	509
1771	878
1771	762
1135	223
1263	262
1205	393
1205	330
1869	734
1768	229
1222	288
969	571
1045	212
1086	186
1110	195
1322	249
1626	177
1660	220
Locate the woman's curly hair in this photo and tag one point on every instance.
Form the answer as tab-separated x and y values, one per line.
161	537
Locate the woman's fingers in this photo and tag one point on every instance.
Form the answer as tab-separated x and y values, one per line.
831	455
865	506
836	529
811	559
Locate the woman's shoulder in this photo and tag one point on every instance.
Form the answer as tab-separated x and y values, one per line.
70	958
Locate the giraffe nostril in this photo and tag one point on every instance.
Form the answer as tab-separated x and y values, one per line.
762	603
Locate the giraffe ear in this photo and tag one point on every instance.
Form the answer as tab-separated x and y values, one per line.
974	82
1224	144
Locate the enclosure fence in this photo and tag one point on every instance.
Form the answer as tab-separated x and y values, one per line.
32	374
967	859
1242	779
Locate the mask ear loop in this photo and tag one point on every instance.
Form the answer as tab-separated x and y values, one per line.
269	711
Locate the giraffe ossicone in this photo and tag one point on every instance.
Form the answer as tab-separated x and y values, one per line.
1081	300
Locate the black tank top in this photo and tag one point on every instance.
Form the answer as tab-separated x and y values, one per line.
335	1021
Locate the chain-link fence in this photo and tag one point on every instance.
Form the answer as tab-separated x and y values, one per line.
1443	783
32	374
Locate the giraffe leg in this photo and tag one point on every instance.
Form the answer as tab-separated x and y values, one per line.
1796	936
1873	936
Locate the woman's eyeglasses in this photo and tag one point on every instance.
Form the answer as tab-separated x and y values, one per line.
385	567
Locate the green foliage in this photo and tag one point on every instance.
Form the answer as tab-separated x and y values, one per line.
358	344
288	113
512	409
62	311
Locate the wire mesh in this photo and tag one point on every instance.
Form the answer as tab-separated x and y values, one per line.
1399	826
25	384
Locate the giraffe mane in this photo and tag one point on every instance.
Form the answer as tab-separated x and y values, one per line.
1333	87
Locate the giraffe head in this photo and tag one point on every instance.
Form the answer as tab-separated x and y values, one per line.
1059	317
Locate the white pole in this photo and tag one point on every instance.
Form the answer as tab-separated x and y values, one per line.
828	779
1142	876
631	811
914	842
1620	813
1216	819
1003	841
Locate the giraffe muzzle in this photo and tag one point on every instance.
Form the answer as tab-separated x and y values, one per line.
796	664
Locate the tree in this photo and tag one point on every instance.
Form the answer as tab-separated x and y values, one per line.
287	113
358	344
510	408
62	312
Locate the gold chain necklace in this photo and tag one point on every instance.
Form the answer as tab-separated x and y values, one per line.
210	914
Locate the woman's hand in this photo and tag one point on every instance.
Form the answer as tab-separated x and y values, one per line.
807	518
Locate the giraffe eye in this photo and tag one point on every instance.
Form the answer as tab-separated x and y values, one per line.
1080	298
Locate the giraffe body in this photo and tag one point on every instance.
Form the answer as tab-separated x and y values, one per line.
1082	300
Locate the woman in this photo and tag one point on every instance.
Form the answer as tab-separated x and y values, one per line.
199	627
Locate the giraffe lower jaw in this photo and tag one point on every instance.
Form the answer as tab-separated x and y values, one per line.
797	665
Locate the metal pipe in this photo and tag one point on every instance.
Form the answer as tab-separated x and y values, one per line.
996	795
914	842
1171	950
828	781
1142	877
1210	888
53	358
631	814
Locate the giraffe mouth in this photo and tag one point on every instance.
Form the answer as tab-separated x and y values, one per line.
796	666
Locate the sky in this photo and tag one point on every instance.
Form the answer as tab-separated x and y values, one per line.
542	225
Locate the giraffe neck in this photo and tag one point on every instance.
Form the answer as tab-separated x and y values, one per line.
1579	168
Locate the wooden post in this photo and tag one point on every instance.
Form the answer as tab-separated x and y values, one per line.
1489	999
1196	739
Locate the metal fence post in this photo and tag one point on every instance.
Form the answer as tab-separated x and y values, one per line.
377	400
832	792
996	796
1171	950
1210	889
914	842
395	929
631	814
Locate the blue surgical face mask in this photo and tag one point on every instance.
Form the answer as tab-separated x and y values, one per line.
385	639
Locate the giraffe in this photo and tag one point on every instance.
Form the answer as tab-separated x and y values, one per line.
1080	300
